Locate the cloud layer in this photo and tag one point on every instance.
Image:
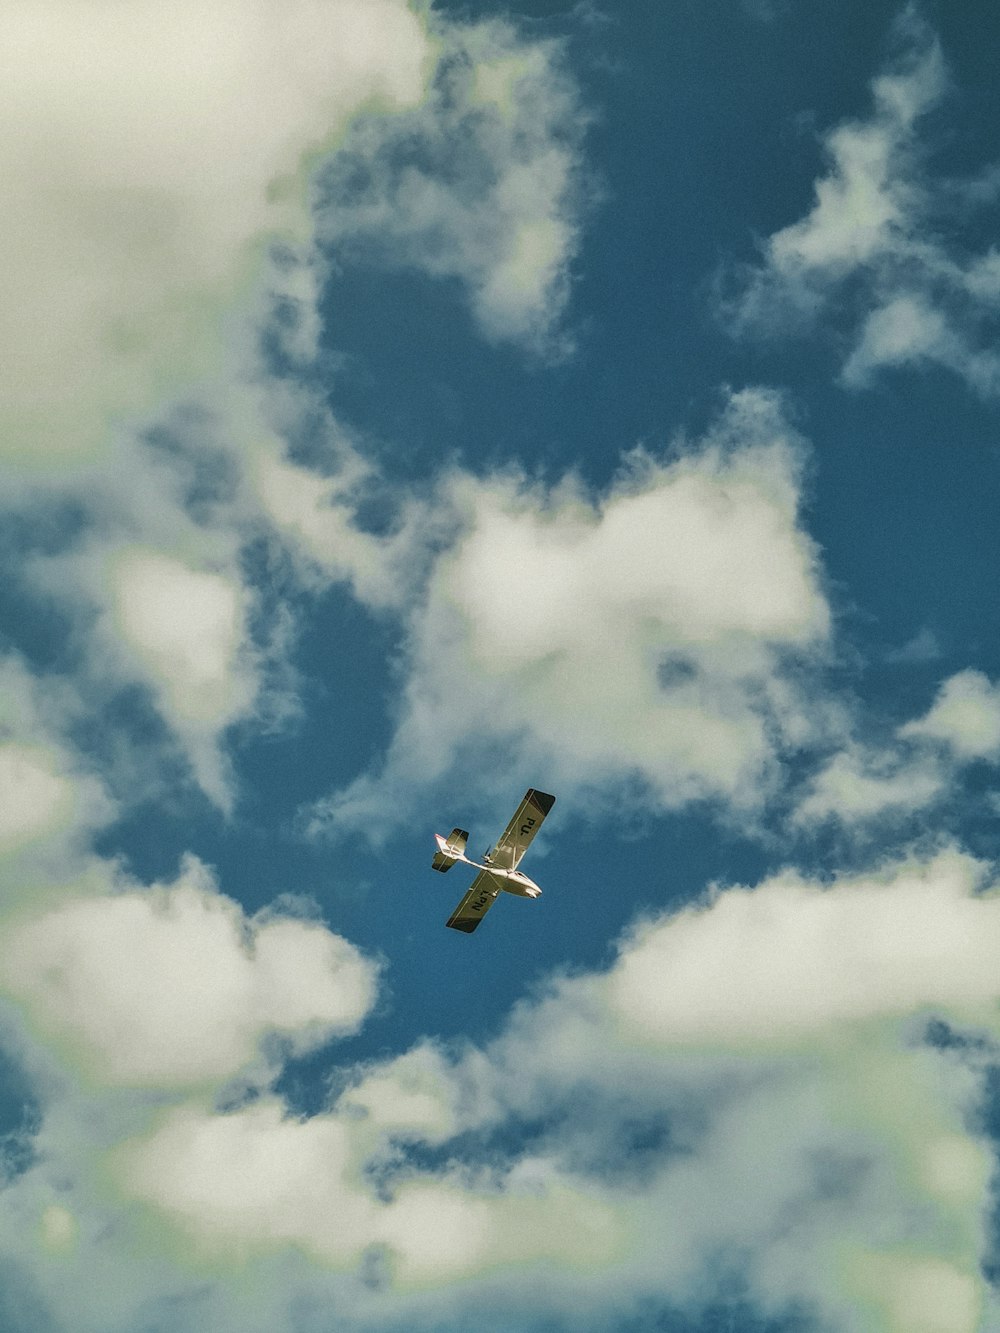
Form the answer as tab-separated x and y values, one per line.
773	1091
766	1047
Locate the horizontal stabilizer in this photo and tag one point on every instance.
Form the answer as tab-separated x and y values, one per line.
450	849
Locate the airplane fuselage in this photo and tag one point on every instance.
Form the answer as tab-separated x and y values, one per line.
511	881
515	881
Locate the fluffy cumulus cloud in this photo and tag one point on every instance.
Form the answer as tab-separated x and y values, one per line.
787	960
768	1054
34	794
156	160
184	624
657	632
176	619
787	1050
151	156
316	516
174	986
256	1177
863	207
706	1008
165	222
873	252
964	718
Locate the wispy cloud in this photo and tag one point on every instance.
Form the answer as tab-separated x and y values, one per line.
481	182
916	768
887	254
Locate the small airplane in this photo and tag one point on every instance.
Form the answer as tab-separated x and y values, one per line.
498	869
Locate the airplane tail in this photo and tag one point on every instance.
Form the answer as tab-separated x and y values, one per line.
450	849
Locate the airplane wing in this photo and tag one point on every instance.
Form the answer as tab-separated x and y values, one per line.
513	842
476	903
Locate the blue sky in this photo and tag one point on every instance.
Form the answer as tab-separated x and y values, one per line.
410	404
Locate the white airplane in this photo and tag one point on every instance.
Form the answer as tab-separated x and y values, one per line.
498	870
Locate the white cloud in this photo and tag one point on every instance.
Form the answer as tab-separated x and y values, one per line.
922	647
769	1032
481	183
747	1078
34	795
864	205
701	597
867	783
256	1177
412	1093
154	148
907	329
872	250
176	619
164	586
159	155
767	1028
858	785
187	627
50	799
965	718
787	960
316	517
926	1295
647	634
174	986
